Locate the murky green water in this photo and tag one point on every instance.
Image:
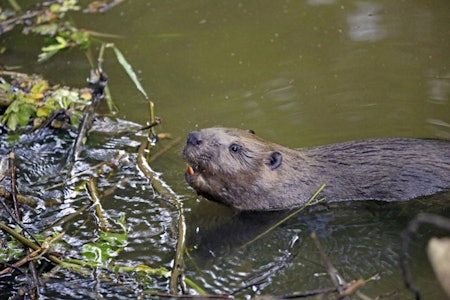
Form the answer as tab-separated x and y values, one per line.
299	73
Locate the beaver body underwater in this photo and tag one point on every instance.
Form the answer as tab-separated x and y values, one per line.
241	170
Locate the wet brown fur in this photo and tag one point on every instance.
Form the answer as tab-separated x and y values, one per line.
239	169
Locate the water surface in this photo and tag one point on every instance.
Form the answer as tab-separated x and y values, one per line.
300	73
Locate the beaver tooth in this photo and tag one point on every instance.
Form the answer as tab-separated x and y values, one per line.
189	170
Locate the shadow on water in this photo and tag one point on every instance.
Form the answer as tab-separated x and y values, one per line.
362	239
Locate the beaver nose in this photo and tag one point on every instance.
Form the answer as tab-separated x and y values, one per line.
194	138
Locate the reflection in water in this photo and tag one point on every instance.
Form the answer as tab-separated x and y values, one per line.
365	24
439	86
439	95
360	239
320	2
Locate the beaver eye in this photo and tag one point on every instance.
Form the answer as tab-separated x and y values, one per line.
235	148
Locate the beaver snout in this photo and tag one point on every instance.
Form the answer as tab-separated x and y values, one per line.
192	154
194	139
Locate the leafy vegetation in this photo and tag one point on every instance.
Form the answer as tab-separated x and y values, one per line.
108	245
29	102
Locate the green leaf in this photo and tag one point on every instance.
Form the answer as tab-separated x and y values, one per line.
46	29
114	239
61	44
108	244
65	6
92	252
43	56
40	87
65	98
100	251
11	250
74	120
127	67
19	112
12	122
82	39
5	86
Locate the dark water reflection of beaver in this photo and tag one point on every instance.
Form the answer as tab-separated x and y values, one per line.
218	234
361	239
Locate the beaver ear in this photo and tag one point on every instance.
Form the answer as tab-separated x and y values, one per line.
251	131
274	160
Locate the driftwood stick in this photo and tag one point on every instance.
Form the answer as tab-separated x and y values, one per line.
164	190
310	293
11	214
98	81
20	198
9	24
12	167
93	194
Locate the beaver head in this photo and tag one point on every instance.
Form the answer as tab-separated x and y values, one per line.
234	167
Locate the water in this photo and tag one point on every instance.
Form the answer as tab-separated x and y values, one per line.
300	73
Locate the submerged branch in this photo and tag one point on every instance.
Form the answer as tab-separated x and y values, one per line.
93	194
78	264
21	198
27	242
164	190
33	255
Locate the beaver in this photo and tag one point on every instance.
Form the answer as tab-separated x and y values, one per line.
237	168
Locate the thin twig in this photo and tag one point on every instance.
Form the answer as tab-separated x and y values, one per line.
14	217
32	267
66	218
160	152
310	202
335	278
344	288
